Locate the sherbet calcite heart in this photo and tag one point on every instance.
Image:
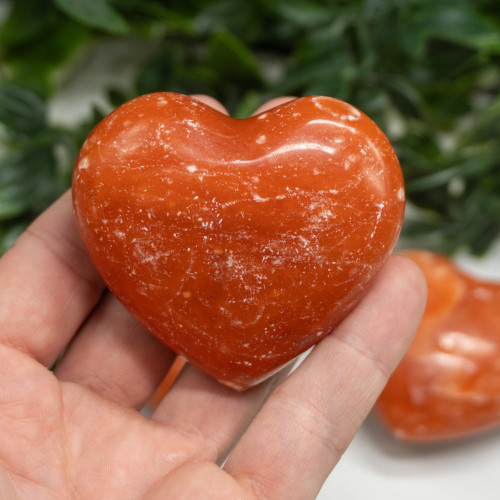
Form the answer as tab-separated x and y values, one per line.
448	384
238	243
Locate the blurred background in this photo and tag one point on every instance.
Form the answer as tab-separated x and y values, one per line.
426	71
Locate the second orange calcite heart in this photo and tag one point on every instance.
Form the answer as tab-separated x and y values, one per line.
448	383
238	243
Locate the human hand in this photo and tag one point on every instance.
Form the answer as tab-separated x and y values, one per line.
77	432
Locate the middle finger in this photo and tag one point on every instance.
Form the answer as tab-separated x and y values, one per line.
115	356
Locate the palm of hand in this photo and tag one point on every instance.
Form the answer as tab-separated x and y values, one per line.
65	441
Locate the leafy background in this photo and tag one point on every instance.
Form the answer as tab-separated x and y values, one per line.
427	71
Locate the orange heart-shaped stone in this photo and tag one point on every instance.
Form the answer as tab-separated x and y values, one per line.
448	383
238	243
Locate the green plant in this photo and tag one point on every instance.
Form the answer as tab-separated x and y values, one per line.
427	72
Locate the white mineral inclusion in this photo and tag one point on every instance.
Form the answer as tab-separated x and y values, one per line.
83	164
191	168
482	294
258	199
452	362
462	343
191	123
350	118
333	123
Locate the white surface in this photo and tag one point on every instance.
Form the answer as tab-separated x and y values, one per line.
487	267
378	467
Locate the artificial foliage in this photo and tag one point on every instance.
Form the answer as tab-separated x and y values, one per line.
427	72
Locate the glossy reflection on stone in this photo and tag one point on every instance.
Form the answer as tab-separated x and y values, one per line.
448	384
238	243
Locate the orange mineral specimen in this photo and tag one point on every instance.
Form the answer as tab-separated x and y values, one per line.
448	383
238	243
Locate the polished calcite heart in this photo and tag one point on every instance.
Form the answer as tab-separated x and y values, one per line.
448	383
238	243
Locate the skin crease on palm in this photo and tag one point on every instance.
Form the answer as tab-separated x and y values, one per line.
78	433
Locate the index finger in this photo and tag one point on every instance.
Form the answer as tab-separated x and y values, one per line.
49	285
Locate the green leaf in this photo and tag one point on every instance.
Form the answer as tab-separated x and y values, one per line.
117	97
461	24
248	104
15	186
27	20
404	95
233	60
97	14
303	12
26	181
236	16
483	161
331	74
176	68
40	66
21	110
169	20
